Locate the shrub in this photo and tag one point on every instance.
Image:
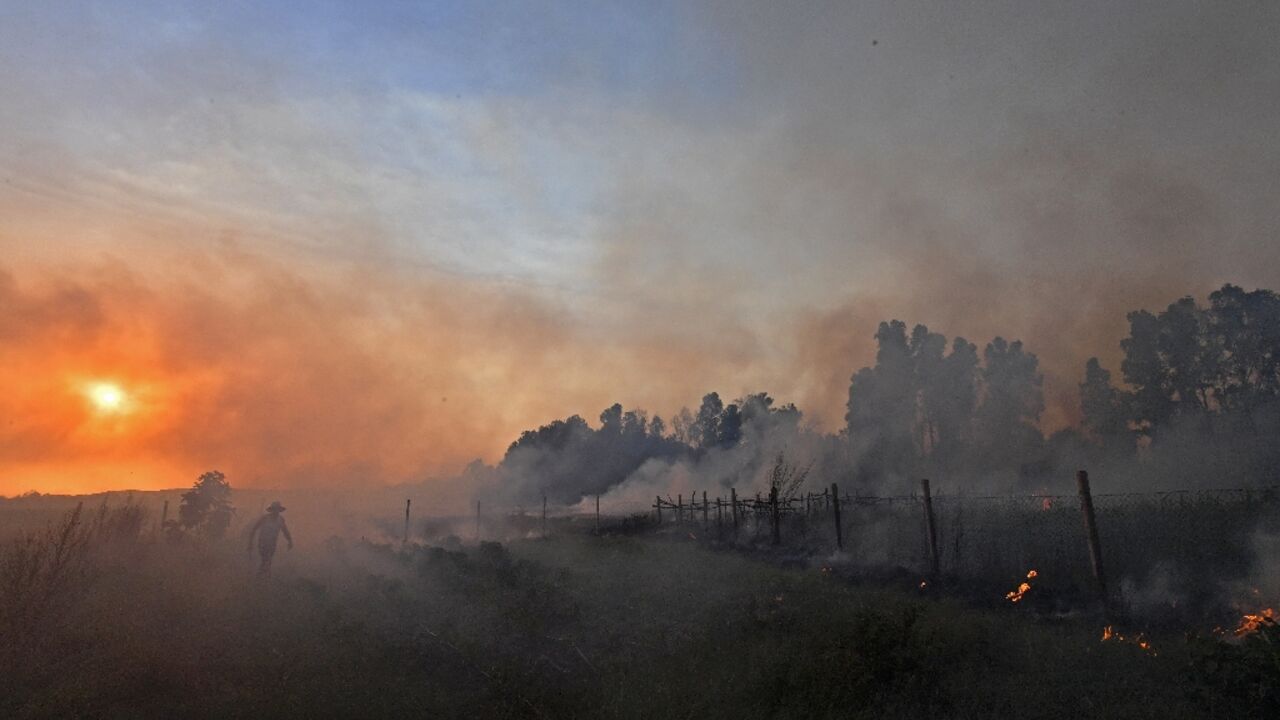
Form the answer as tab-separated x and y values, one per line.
206	508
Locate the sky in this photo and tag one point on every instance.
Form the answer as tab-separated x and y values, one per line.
343	243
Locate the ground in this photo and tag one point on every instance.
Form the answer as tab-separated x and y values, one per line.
571	626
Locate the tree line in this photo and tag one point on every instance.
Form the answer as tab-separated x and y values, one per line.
1200	392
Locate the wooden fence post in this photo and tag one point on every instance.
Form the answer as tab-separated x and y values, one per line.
597	512
407	502
544	516
657	505
773	511
477	521
930	528
705	525
835	507
1091	532
679	509
733	501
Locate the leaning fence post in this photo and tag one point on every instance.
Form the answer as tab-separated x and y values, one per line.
407	502
835	507
930	527
733	504
773	511
1091	532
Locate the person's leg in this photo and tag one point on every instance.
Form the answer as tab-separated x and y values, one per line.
267	553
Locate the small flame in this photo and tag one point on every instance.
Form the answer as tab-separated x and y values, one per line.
923	583
1046	502
1253	622
1015	596
1109	634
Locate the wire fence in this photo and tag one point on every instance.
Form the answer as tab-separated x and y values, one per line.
1181	545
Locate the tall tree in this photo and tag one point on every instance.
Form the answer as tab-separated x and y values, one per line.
927	349
1102	406
730	426
1144	370
657	428
706	425
882	406
952	397
1012	402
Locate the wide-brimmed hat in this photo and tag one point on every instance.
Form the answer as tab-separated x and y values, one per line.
275	507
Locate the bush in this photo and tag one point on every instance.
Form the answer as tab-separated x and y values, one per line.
206	507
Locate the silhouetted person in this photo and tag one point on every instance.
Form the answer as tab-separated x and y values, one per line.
268	529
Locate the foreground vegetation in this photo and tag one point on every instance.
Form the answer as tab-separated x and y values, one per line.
572	626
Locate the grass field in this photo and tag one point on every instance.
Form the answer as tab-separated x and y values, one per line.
571	626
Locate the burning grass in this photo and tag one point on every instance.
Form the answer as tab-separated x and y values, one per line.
1016	595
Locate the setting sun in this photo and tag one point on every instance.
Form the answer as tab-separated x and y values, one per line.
107	397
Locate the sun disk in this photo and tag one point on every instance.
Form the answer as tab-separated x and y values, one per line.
107	397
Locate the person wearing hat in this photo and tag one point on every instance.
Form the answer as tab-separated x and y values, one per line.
268	528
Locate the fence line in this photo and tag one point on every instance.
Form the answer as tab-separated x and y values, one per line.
1202	532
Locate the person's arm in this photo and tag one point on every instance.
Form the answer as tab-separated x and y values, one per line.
284	528
253	530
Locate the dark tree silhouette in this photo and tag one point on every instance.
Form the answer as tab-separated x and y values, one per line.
1218	366
706	425
1012	401
1103	408
206	508
730	430
657	427
953	396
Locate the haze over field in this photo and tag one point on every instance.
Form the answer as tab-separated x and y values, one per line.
330	245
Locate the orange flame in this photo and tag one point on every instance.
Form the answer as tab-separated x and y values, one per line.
1014	596
1109	634
1252	623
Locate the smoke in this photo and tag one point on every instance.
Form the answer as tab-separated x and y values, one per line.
277	376
735	447
316	271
